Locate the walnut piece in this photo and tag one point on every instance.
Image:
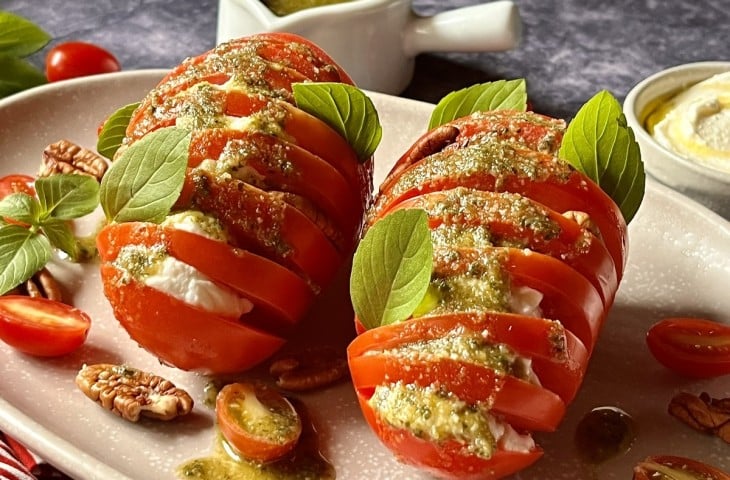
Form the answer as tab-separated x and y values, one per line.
309	369
41	284
703	413
65	156
131	393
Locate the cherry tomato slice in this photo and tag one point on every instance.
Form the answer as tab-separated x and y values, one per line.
78	59
667	467
257	421
448	460
16	183
692	347
42	327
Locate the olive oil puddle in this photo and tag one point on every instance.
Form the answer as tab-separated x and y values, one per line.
305	462
602	434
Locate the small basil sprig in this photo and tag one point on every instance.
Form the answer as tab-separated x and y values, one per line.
344	108
146	180
600	144
114	130
392	268
18	39
497	95
40	224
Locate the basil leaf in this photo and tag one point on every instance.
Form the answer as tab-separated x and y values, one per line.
344	108
20	207
599	143
20	37
392	268
22	253
17	74
61	236
146	180
498	95
67	196
114	130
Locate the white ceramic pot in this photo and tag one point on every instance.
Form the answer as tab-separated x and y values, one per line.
376	41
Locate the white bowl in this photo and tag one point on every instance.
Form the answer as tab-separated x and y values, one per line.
376	41
705	184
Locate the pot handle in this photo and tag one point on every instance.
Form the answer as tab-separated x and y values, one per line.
488	27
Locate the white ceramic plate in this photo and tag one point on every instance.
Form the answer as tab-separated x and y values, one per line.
679	264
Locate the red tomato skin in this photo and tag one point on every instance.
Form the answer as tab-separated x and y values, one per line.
645	469
43	340
692	347
16	183
78	59
247	445
449	460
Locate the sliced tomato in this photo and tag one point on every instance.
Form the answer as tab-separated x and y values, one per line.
42	327
692	347
523	405
257	421
16	183
277	290
449	460
182	335
559	359
668	467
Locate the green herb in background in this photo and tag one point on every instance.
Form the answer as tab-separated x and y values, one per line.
344	108
31	227
18	39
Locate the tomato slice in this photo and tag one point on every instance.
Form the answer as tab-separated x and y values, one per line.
277	290
523	405
42	327
667	467
182	335
449	460
16	183
257	421
692	347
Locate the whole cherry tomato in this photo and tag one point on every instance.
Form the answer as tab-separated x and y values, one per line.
78	59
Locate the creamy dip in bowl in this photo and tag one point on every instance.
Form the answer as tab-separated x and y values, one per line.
681	118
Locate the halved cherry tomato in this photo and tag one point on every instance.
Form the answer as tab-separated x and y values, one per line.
449	460
182	335
693	347
42	327
16	183
257	421
668	467
78	59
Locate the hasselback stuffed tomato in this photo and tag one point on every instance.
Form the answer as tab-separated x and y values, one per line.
269	203
522	256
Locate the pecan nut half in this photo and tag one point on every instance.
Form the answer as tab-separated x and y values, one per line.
131	393
41	284
703	413
309	369
65	156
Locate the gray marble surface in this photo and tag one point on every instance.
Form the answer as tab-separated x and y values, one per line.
570	48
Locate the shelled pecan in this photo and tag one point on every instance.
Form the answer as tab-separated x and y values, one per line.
703	413
41	284
131	393
309	369
65	156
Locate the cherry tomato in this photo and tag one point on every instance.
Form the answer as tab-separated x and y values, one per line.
16	183
42	327
668	467
257	421
78	59
692	347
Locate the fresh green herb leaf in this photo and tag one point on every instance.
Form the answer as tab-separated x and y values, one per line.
344	108
17	74
392	268
22	253
20	37
67	196
20	207
498	95
599	143
114	130
146	180
61	236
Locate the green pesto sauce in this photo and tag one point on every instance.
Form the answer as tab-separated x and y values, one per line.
285	7
435	415
140	261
